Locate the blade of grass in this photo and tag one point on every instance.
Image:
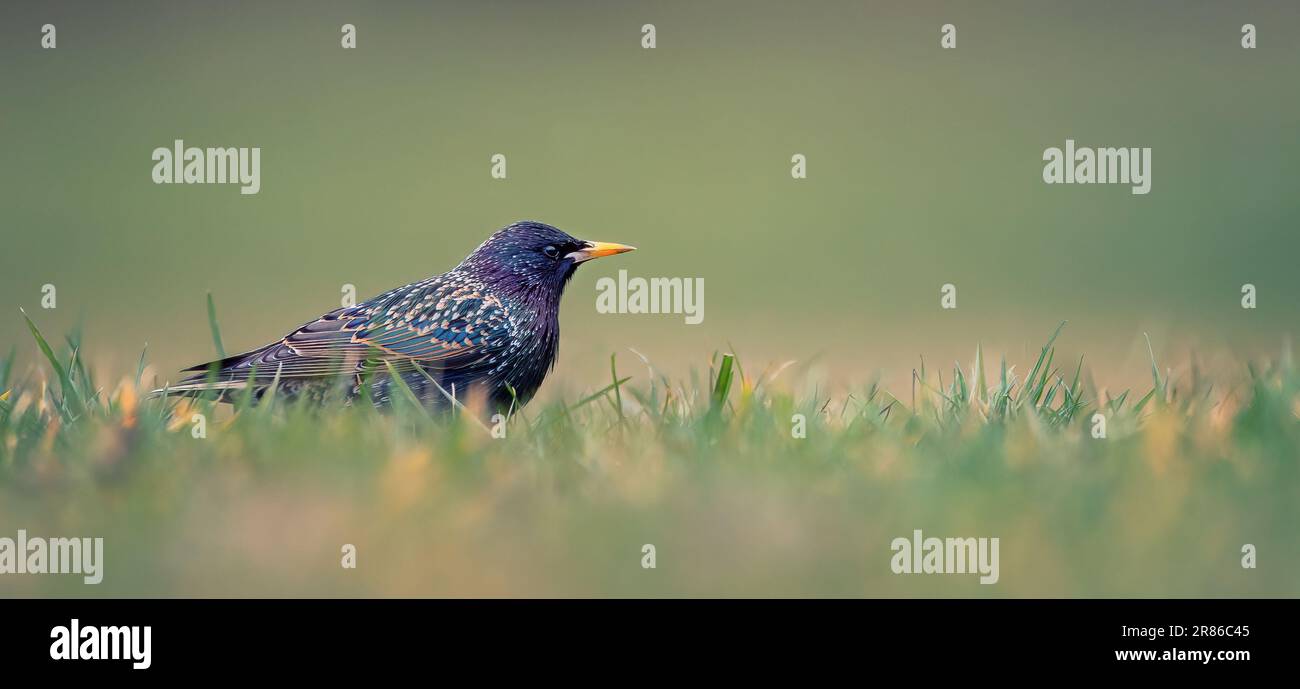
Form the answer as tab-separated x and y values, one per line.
267	402
247	395
405	389
216	330
8	369
598	394
139	368
618	395
455	403
722	385
70	398
1032	387
1155	370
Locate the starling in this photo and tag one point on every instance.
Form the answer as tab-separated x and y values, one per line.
488	328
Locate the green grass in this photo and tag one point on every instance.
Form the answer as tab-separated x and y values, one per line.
706	469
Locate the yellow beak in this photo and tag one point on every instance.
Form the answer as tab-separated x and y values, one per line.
598	249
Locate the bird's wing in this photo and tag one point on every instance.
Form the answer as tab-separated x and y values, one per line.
433	325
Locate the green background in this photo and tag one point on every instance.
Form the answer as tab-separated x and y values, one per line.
924	169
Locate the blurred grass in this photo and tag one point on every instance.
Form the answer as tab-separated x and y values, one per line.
706	469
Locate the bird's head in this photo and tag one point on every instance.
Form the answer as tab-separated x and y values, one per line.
530	256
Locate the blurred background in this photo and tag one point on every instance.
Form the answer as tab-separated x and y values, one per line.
924	168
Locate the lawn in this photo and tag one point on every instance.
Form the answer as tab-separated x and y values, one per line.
746	482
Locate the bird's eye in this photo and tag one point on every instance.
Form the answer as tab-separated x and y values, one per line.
551	251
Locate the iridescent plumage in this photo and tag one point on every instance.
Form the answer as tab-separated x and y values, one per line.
487	327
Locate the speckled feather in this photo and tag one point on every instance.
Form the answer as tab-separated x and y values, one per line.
481	328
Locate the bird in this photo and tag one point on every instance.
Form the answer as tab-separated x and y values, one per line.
487	329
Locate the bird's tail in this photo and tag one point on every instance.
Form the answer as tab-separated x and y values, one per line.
208	377
191	387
